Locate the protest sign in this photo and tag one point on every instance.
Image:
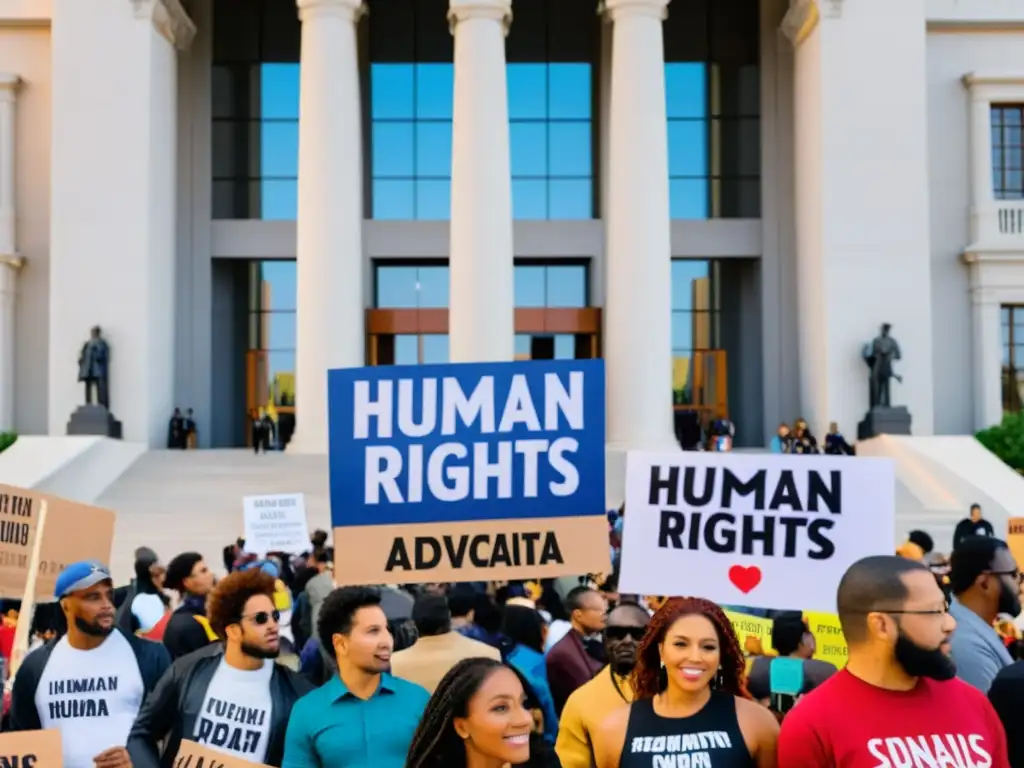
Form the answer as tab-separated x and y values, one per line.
1015	538
31	749
753	632
759	530
193	755
74	532
467	472
829	641
275	523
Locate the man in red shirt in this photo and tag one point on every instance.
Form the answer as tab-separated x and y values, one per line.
898	703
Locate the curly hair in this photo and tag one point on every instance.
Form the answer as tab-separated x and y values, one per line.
228	599
646	679
339	609
435	743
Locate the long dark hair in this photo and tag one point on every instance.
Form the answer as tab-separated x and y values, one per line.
435	743
646	679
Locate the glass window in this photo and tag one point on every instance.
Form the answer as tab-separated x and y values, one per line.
411	287
1012	326
695	318
1007	145
255	94
551	286
712	91
272	326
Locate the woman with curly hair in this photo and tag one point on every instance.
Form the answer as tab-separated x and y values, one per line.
479	717
691	705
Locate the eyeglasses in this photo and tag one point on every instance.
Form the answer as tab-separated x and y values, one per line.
1015	573
621	633
263	617
903	612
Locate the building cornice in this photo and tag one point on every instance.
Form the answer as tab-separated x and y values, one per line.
975	79
169	18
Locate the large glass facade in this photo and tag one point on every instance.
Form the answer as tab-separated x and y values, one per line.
550	103
1013	356
696	308
272	329
712	99
712	89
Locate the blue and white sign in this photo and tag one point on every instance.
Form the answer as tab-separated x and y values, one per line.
464	442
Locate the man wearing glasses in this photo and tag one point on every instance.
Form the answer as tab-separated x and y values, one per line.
897	702
985	582
592	702
231	696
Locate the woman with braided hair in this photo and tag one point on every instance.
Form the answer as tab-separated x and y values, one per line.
479	717
691	705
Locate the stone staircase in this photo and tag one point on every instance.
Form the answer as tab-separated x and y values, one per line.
179	501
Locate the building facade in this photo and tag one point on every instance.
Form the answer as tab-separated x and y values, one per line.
723	198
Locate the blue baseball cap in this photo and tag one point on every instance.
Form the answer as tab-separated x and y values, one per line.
78	576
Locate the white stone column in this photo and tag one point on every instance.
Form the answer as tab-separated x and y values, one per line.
10	261
329	248
638	283
987	357
113	204
984	214
481	312
862	208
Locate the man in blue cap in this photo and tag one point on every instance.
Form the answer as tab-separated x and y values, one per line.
88	684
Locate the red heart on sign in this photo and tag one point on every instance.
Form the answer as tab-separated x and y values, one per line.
745	579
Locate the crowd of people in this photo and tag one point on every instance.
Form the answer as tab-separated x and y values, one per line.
276	665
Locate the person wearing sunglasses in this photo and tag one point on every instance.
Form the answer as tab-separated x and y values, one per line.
231	696
985	582
898	701
591	703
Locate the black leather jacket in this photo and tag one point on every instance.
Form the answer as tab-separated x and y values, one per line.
169	713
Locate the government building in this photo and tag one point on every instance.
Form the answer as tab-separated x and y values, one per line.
723	199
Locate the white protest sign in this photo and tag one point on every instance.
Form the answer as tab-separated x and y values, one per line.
276	524
756	530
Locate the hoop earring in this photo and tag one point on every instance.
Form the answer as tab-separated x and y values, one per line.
662	678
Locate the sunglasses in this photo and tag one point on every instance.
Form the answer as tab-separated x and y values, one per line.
621	633
264	617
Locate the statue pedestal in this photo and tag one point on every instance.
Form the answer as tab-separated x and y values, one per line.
94	420
882	420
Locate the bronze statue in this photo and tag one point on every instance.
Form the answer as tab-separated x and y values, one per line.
94	368
879	354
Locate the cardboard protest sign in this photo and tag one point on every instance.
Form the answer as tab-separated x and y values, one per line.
31	749
1015	537
73	532
468	472
193	755
760	530
275	523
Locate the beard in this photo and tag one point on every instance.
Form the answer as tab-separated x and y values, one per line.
92	629
255	652
923	662
1009	601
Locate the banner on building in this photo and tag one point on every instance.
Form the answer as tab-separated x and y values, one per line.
467	472
758	530
72	532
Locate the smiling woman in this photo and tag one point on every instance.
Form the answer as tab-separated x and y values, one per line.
479	714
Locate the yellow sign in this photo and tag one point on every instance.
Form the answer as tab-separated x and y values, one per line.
753	632
828	637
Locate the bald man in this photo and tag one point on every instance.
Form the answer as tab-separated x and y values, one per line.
898	701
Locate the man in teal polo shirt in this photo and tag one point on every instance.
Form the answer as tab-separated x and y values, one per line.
363	717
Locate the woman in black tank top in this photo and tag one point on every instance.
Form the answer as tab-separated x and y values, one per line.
691	706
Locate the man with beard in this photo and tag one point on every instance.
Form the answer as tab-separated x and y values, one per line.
985	582
898	701
90	683
363	717
592	702
232	698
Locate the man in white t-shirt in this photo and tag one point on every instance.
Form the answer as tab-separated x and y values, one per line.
230	696
90	683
